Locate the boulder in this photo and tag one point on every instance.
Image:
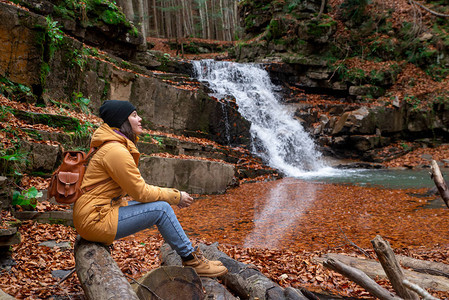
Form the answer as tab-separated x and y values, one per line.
5	193
190	175
42	157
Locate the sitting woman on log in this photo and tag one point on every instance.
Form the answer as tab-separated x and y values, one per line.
102	215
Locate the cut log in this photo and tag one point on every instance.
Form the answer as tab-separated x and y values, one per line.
424	266
440	182
169	283
392	268
360	278
99	274
217	290
243	280
373	269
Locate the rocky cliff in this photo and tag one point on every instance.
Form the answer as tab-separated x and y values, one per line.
361	76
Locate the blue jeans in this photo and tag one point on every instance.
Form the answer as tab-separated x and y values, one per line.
138	216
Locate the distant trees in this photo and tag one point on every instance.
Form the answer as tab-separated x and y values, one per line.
208	19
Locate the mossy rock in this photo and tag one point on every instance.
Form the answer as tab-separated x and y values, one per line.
68	123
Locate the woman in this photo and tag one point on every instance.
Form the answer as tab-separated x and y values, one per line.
102	215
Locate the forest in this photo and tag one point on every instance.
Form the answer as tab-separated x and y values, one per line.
312	135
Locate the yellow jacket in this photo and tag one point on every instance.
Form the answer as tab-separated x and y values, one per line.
95	216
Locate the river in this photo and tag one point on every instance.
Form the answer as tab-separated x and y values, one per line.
315	206
300	215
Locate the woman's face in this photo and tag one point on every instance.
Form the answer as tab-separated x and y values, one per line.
134	120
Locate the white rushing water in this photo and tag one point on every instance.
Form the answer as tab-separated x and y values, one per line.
277	136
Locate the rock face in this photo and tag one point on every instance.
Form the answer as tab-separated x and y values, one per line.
193	176
20	54
357	131
163	106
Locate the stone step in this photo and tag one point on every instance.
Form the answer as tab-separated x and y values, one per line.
59	121
9	236
63	217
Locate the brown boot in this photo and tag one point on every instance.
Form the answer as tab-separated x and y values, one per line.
204	267
216	262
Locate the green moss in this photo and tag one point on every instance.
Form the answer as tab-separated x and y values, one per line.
16	91
106	88
275	29
318	28
112	17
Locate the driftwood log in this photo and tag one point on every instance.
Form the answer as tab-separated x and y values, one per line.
440	182
169	283
360	278
98	273
424	266
243	280
392	268
373	269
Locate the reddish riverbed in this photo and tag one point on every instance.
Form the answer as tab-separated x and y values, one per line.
294	214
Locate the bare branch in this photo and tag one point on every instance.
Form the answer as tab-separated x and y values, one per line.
360	278
429	10
440	182
353	244
419	290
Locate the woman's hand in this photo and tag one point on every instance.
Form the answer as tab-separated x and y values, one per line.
185	201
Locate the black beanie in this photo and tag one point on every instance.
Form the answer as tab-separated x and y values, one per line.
116	112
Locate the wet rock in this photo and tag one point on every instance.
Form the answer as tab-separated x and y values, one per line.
193	176
360	165
52	244
60	273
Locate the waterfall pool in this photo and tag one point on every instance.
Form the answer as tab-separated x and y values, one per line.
386	178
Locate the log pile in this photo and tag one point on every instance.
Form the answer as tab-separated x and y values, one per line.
101	278
406	283
242	280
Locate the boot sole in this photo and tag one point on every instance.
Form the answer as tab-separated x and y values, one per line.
215	274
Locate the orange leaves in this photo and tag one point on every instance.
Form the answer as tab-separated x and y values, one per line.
420	156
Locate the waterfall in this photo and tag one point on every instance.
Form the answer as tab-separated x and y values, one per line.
277	137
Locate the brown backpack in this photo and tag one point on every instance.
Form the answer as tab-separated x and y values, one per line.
65	184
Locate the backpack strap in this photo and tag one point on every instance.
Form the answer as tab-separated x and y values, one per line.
92	151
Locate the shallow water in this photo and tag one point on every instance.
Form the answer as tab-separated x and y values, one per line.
309	214
395	179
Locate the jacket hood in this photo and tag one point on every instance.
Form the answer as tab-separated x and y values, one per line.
105	134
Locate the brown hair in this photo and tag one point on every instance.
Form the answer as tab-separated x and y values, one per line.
127	130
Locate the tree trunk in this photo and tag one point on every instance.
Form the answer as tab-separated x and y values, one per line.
374	270
423	266
99	274
440	182
127	8
360	278
392	268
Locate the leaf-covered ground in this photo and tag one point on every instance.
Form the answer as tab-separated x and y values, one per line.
281	237
278	226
